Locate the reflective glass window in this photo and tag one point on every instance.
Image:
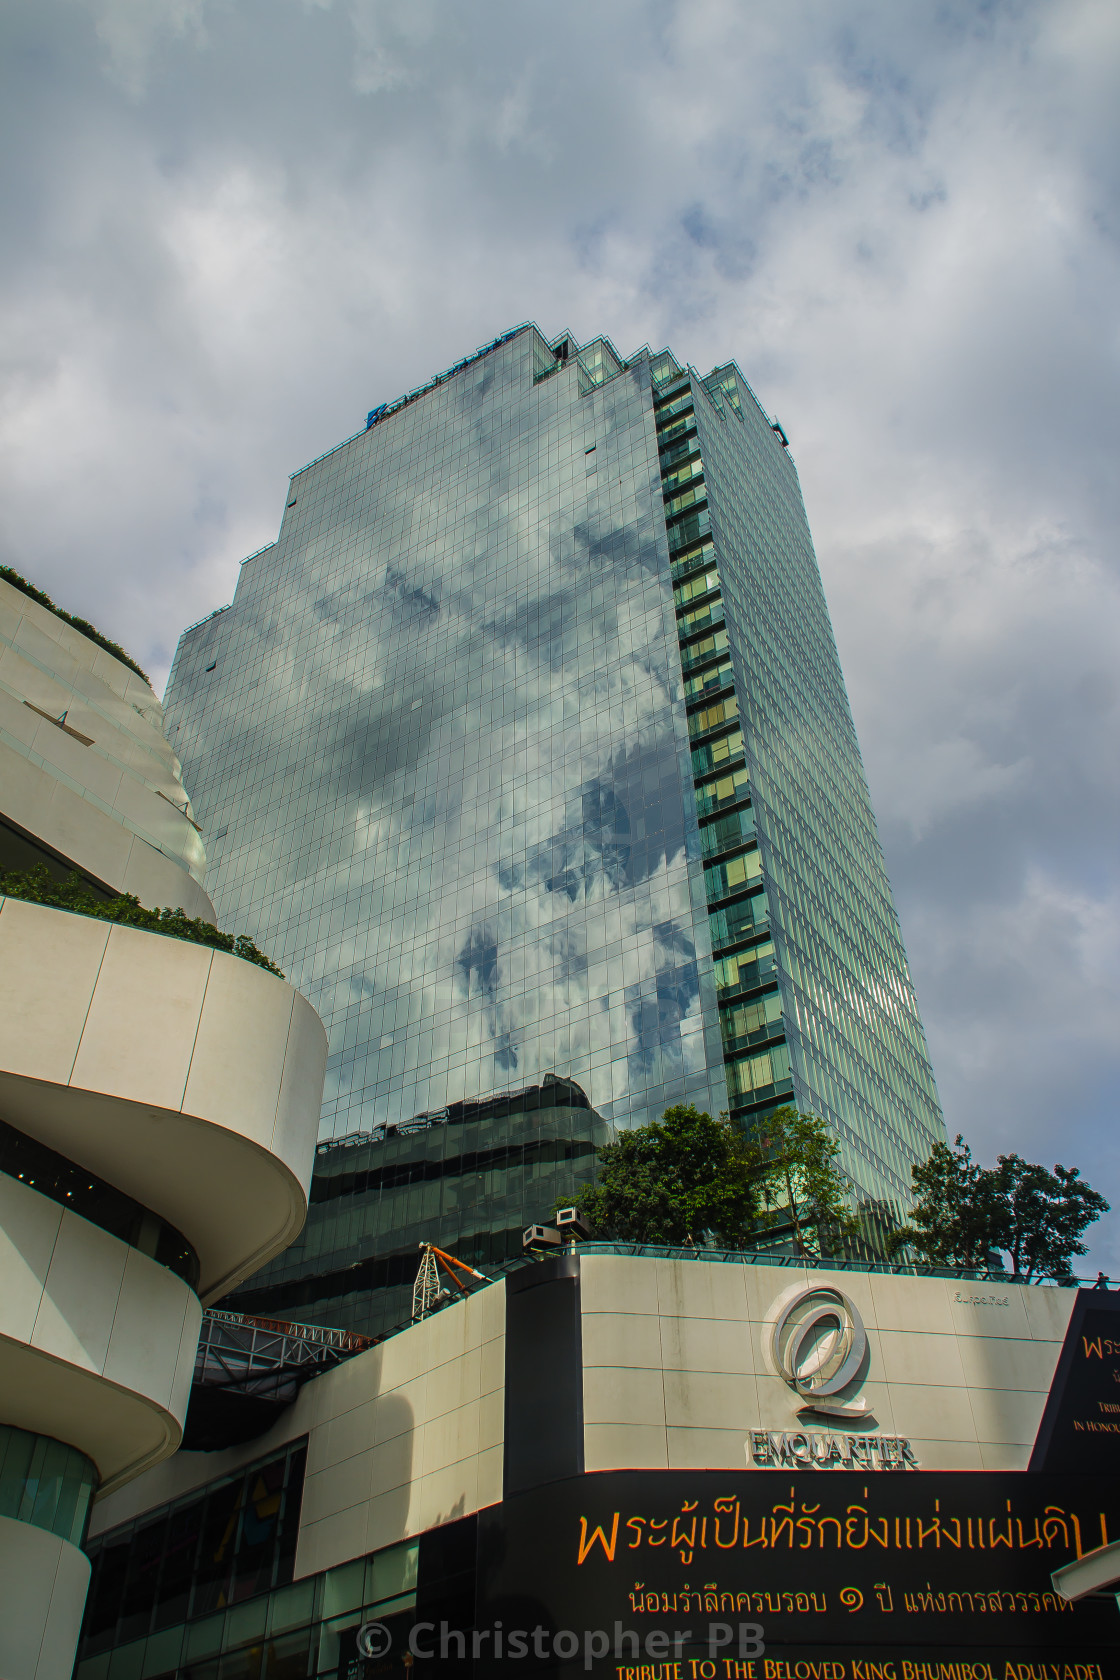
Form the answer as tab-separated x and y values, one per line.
45	1483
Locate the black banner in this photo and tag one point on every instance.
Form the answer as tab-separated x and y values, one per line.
1080	1428
838	1575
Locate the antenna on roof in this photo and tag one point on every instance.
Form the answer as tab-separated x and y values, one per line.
430	1291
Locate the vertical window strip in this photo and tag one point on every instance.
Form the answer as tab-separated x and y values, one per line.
746	869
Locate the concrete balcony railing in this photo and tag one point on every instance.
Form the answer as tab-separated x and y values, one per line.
187	1078
97	1340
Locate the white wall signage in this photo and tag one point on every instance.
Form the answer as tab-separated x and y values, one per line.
814	1449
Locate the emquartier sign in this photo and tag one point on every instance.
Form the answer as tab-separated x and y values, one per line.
818	1449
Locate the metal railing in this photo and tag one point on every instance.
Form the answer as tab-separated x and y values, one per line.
276	1367
772	1257
218	611
268	1359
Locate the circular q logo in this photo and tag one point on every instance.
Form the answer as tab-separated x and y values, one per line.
817	1344
374	1639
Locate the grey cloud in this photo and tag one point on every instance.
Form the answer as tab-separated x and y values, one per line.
593	850
618	830
414	601
537	625
658	1007
618	547
477	962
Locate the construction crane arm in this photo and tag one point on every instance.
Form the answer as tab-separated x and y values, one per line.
450	1260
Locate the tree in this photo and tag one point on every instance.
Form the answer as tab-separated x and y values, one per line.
795	1158
965	1213
674	1181
1042	1216
953	1218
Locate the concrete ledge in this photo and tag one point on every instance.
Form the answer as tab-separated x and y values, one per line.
188	1078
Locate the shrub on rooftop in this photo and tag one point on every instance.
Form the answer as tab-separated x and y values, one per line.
81	624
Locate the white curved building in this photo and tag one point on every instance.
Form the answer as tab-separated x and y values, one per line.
86	773
158	1109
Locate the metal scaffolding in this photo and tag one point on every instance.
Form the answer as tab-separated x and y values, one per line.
267	1357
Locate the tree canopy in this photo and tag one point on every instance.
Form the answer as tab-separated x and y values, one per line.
689	1178
676	1180
799	1180
968	1215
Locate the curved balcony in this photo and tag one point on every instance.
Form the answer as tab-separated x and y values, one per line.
92	839
85	767
186	1077
97	1341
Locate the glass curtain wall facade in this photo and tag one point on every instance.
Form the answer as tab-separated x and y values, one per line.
525	750
468	1179
46	1483
438	748
815	999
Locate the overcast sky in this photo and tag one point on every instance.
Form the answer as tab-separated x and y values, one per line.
233	226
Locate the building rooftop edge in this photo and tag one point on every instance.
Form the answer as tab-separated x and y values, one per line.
384	410
750	1257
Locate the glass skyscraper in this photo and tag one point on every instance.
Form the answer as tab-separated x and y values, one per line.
525	751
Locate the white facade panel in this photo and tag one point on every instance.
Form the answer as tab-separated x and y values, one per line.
43	1582
92	1335
164	1067
678	1370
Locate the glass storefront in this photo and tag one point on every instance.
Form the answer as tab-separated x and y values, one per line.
194	1563
202	1589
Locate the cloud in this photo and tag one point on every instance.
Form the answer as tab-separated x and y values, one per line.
233	226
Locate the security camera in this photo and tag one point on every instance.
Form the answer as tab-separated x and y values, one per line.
572	1223
539	1239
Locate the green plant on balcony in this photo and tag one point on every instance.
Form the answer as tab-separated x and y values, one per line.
88	630
37	886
